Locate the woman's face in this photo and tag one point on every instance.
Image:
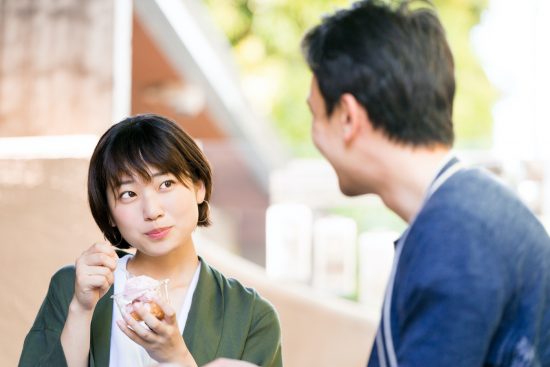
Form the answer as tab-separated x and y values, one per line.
156	217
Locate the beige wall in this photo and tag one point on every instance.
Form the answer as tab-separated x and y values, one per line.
45	224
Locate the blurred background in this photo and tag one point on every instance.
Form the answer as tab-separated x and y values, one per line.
230	72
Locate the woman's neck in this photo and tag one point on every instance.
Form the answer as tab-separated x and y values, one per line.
179	265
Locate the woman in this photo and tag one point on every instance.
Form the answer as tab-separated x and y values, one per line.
148	189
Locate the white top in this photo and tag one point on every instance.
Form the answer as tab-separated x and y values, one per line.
124	352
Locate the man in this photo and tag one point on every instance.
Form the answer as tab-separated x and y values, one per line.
470	284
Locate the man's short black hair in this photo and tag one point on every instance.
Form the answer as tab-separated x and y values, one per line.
395	61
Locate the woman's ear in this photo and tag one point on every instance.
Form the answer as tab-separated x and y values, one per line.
200	191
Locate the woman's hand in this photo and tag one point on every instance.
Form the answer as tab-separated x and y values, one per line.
223	362
94	275
162	340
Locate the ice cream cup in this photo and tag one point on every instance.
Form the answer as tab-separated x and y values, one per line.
147	297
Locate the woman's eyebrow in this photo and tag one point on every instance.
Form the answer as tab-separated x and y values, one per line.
160	173
126	181
130	180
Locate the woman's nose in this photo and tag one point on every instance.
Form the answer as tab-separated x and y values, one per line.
152	210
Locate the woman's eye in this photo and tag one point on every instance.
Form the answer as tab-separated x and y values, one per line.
126	195
166	184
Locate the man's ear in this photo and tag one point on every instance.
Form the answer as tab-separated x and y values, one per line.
353	116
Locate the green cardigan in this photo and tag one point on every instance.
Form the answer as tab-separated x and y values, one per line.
225	320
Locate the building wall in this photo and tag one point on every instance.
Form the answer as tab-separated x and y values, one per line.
55	67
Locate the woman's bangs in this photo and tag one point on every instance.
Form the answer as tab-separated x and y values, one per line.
135	158
125	160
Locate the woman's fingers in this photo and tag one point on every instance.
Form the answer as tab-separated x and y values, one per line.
136	330
150	320
153	326
161	339
223	362
100	248
104	248
130	333
97	281
99	259
98	270
94	274
96	256
169	312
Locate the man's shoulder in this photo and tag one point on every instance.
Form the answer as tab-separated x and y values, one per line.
478	195
472	184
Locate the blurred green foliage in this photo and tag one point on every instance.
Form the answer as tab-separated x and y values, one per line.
266	35
475	95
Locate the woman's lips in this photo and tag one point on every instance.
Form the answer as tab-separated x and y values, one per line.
158	233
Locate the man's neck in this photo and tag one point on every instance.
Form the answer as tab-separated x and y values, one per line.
409	175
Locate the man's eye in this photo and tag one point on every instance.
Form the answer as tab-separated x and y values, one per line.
166	184
127	195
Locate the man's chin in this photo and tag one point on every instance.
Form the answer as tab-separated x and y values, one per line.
349	190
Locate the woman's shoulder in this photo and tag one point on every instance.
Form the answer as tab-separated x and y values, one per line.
233	291
227	285
62	282
66	273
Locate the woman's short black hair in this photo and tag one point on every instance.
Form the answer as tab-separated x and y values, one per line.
393	57
128	148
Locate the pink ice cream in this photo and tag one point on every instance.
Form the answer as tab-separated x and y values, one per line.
142	287
142	290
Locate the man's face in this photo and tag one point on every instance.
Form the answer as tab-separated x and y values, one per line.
321	125
343	151
327	136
